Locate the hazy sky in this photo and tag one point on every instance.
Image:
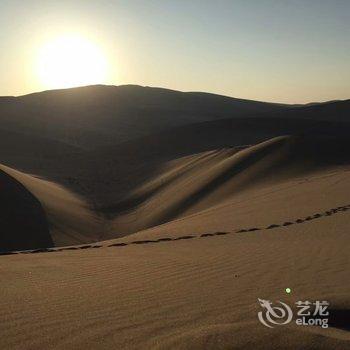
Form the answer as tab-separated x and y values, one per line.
272	50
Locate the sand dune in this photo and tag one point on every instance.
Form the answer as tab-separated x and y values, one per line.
192	293
157	219
93	116
65	217
177	188
192	184
108	174
122	168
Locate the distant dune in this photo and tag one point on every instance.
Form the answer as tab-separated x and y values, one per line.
92	116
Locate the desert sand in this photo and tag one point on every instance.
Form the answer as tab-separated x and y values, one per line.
167	240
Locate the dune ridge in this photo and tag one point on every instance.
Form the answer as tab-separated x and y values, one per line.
104	114
182	187
211	178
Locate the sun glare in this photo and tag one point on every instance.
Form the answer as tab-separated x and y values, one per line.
70	61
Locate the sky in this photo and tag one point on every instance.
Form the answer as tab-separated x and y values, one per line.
290	51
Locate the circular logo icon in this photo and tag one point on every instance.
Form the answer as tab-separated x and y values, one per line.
274	315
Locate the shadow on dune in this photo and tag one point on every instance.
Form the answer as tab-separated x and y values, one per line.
22	219
339	318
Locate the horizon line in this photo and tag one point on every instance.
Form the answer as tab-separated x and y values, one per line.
174	90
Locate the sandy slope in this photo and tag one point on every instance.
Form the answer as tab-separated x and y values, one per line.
198	182
193	293
66	217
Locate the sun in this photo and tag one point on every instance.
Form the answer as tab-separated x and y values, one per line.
70	61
